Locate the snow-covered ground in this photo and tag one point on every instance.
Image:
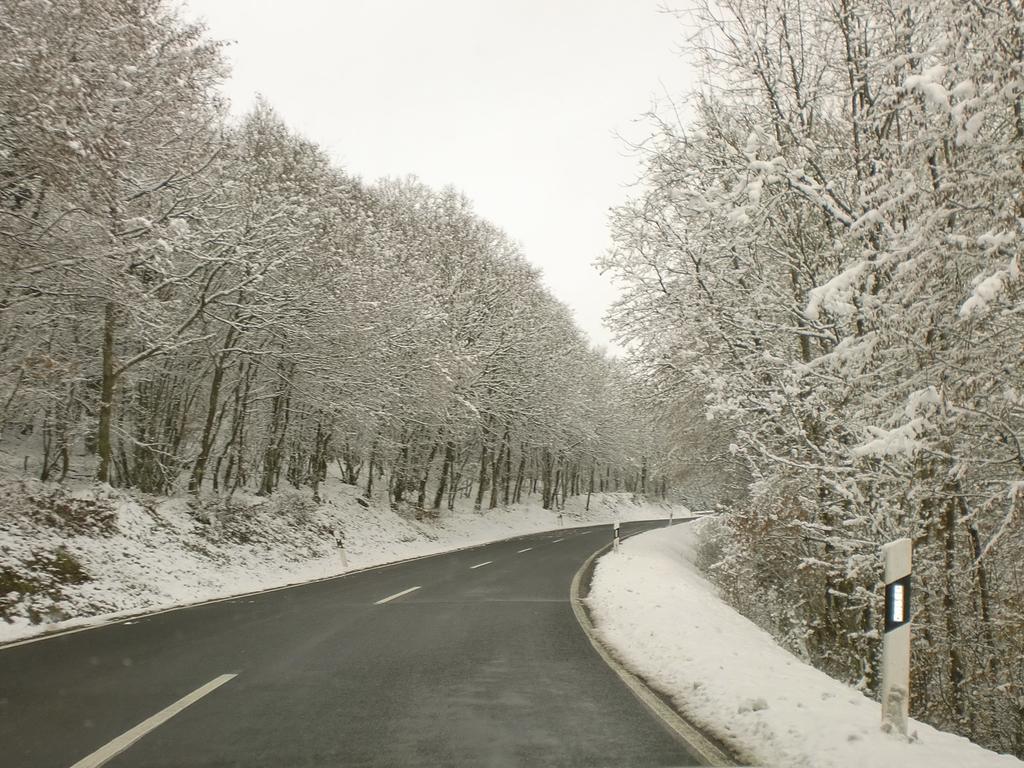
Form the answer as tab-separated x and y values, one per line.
85	556
666	622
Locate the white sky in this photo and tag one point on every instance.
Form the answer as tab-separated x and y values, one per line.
514	102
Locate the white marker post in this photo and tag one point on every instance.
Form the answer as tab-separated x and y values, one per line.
670	513
896	641
339	539
615	536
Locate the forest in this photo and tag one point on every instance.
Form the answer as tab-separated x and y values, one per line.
821	311
194	303
825	260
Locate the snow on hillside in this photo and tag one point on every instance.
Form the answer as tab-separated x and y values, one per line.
69	557
666	622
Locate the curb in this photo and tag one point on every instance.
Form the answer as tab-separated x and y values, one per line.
703	748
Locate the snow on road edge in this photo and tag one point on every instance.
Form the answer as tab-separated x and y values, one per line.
666	622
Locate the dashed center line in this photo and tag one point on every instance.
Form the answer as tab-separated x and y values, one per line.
480	565
584	533
396	595
557	540
524	550
112	748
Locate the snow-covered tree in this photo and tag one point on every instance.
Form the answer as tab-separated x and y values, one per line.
829	255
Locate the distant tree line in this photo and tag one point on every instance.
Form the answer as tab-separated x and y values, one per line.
192	303
826	260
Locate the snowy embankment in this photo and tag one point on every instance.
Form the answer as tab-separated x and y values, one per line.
75	557
666	622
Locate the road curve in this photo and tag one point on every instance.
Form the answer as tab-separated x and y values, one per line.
472	658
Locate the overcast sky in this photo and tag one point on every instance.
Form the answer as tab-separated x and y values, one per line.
515	102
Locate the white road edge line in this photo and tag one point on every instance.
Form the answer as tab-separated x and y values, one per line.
126	739
480	565
694	739
524	550
396	595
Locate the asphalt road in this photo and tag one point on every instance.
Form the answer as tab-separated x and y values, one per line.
479	666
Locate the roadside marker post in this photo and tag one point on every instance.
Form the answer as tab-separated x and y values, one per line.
339	538
670	514
615	537
897	556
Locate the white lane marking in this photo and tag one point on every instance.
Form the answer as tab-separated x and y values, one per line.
114	620
524	550
126	739
480	565
557	540
396	595
584	533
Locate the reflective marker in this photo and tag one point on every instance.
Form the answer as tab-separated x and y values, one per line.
896	613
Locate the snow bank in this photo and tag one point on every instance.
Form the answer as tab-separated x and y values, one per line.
104	553
667	623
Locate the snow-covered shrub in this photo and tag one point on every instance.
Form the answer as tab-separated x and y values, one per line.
293	504
89	513
33	588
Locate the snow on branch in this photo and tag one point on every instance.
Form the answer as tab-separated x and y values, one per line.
835	295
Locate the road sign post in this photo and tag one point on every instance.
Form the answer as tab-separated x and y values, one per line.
897	557
615	537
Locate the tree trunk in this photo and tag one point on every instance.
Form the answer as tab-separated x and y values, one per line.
421	496
369	474
401	465
456	479
273	455
351	469
496	471
195	483
103	445
507	482
949	610
553	500
545	474
518	492
483	476
446	468
590	488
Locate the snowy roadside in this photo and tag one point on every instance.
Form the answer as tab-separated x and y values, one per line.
659	615
80	567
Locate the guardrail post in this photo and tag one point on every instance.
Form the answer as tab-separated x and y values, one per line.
896	641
